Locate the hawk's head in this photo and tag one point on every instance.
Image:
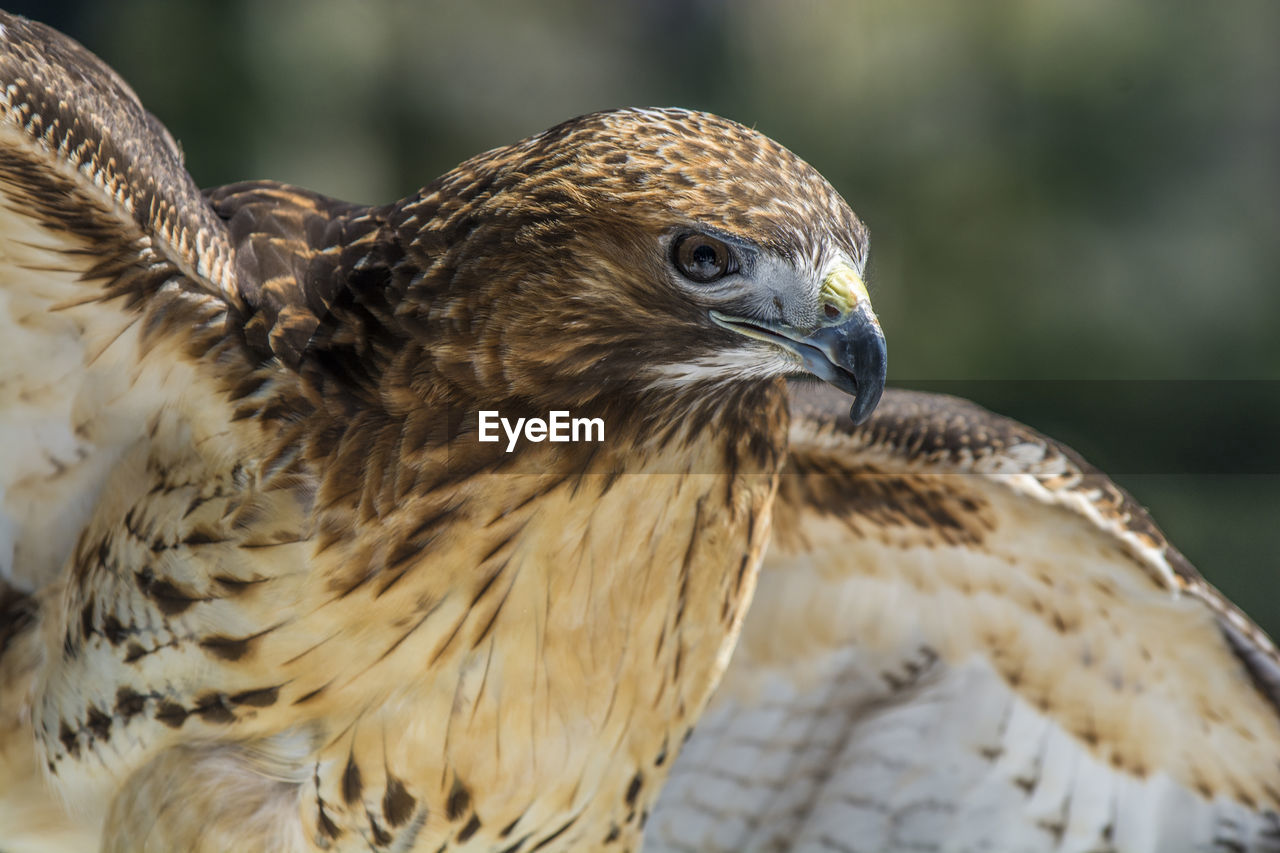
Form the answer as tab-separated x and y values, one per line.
666	247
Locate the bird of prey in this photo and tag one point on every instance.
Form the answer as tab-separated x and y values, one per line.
265	587
269	588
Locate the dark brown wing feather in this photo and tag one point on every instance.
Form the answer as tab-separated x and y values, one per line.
323	278
92	161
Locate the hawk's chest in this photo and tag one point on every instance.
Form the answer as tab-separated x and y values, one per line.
575	627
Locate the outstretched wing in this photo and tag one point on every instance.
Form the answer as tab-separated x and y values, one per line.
126	292
159	351
966	638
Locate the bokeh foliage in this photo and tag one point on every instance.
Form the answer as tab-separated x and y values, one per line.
1074	194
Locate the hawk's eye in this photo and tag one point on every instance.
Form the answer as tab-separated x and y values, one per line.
703	259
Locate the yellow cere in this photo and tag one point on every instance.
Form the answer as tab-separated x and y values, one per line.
844	289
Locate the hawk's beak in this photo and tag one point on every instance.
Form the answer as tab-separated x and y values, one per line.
847	350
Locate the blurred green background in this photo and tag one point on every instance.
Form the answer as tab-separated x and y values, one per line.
1073	204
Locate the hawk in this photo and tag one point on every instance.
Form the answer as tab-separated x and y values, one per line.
266	588
270	589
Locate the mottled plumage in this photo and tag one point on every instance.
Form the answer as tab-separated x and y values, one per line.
264	588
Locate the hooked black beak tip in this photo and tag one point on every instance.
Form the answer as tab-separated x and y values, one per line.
852	356
868	362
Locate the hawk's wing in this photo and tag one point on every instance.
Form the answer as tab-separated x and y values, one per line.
125	291
966	638
156	350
